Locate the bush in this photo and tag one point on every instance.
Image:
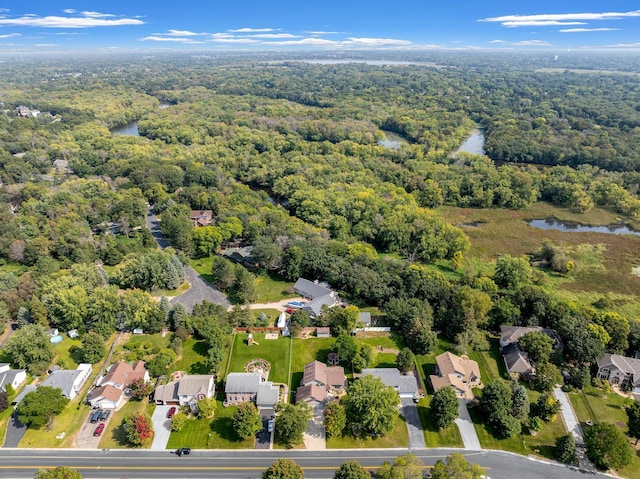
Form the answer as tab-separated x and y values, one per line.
565	450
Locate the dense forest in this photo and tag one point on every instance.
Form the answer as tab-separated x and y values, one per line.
287	156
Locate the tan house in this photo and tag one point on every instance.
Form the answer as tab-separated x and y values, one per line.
201	217
461	373
187	390
320	380
109	393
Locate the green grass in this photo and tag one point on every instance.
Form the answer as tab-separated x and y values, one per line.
306	351
386	340
172	292
216	433
114	436
192	359
15	268
270	313
271	288
203	267
68	353
449	437
397	437
141	346
276	352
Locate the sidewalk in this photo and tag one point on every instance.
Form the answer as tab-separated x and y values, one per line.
569	416
467	431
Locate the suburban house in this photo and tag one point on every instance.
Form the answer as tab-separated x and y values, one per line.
11	377
318	381
185	390
242	255
70	382
517	361
620	371
461	373
201	217
244	387
406	385
319	295
109	393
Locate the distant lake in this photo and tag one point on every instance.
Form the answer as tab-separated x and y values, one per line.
570	227
392	140
474	144
130	129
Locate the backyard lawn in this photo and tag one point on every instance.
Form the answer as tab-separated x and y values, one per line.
216	433
141	347
192	359
275	351
114	436
305	351
271	288
398	437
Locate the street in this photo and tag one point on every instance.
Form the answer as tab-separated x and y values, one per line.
231	464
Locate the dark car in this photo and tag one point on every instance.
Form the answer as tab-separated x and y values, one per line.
105	414
183	451
99	429
171	412
95	417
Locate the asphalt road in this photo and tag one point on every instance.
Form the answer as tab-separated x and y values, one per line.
248	464
200	290
414	427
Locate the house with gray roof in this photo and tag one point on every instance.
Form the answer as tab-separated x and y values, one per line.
620	371
187	390
70	382
517	361
406	385
311	289
364	319
245	387
12	377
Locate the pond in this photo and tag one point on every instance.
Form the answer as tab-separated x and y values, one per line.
474	144
392	140
570	227
130	129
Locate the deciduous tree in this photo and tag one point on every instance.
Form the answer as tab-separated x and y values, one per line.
444	407
565	450
291	422
335	419
457	466
607	446
59	472
40	406
247	421
371	406
30	348
92	348
139	429
405	360
283	469
351	470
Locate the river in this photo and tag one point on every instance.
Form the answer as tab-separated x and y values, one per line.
570	227
474	144
131	128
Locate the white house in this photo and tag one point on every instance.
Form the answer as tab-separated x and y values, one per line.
70	382
12	377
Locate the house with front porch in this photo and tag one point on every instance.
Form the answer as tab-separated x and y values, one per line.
620	371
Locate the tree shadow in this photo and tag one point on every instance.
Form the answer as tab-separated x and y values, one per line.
223	427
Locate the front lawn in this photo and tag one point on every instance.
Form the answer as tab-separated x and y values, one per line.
275	351
216	433
114	436
449	437
397	437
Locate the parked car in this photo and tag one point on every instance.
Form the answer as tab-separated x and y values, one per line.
105	414
95	417
288	310
270	425
99	429
183	451
171	412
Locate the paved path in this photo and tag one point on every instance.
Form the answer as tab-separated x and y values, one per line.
279	305
8	332
161	428
314	437
465	426
414	427
200	290
15	431
264	438
569	416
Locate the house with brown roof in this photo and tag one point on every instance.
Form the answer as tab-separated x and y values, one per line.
459	372
517	361
319	381
186	390
201	217
109	393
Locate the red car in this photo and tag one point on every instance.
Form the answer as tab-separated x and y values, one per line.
288	310
171	412
99	429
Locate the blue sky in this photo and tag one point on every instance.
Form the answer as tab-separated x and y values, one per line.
215	25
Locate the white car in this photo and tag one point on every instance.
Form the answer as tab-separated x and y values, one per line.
270	425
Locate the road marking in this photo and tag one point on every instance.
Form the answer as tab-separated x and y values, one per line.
194	468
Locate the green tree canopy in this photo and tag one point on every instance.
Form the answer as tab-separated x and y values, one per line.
403	467
351	470
537	344
59	472
607	446
444	407
371	406
40	406
247	421
565	450
335	419
29	347
405	360
291	422
456	466
93	349
283	469
139	429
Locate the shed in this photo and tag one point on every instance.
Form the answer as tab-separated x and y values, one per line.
323	332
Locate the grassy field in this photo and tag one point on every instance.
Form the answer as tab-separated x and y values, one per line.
192	359
270	313
271	288
203	267
67	353
172	292
216	433
305	351
114	436
500	228
141	346
276	352
449	437
398	437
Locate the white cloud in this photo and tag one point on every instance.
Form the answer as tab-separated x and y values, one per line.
46	45
322	33
69	10
539	23
97	14
625	45
253	30
235	40
9	35
546	19
306	41
498	41
580	30
53	21
155	38
183	33
275	35
532	43
376	42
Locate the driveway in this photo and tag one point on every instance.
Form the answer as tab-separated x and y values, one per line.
85	438
465	426
569	416
315	438
416	434
264	437
200	290
15	431
161	428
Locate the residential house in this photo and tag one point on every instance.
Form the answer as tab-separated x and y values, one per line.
242	255
70	382
517	361
201	217
110	390
461	373
406	385
511	334
186	390
364	319
319	294
12	377
25	390
620	371
244	387
319	381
